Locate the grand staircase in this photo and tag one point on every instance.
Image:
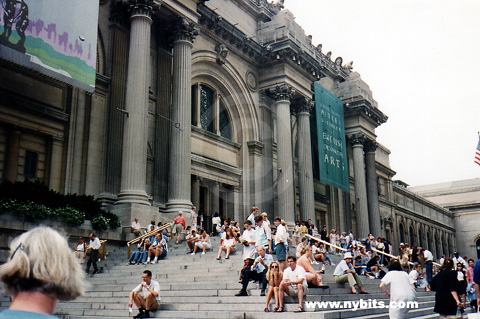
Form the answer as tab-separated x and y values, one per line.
201	287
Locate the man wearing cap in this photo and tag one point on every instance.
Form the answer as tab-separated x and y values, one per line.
179	225
345	272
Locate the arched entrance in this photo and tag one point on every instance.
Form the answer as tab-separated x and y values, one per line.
477	245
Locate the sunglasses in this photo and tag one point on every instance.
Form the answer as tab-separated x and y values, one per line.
274	266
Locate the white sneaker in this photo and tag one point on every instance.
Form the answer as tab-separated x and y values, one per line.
192	254
203	253
155	260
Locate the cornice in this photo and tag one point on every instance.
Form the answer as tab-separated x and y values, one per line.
364	107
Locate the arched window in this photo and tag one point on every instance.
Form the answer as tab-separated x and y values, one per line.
477	245
209	111
224	121
401	231
412	237
206	108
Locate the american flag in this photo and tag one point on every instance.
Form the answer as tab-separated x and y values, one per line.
477	154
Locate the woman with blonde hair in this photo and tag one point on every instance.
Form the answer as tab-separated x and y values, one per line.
274	278
40	271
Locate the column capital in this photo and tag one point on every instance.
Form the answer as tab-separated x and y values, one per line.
305	105
141	7
370	146
357	139
184	30
282	92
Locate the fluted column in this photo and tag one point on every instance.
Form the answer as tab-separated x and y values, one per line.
285	186
180	142
363	228
305	166
372	189
215	197
134	136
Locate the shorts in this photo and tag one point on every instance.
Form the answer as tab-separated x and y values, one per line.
177	229
155	305
280	251
199	244
293	290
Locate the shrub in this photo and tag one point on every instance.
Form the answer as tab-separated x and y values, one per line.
100	223
36	201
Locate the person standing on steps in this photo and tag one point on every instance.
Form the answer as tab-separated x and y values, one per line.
93	247
179	225
146	296
40	271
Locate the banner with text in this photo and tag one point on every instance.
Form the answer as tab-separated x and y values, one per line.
332	149
55	37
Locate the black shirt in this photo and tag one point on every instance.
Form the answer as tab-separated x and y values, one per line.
443	284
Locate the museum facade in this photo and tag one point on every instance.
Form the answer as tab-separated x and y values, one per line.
210	103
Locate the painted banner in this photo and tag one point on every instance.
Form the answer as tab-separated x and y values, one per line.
55	37
332	150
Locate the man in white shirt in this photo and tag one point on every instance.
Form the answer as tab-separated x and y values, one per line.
94	247
281	238
257	272
146	296
263	235
136	228
459	259
345	272
251	217
428	263
192	238
294	283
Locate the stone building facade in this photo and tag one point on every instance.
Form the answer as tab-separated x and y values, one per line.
462	198
208	102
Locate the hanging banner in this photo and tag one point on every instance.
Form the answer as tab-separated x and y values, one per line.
332	149
55	37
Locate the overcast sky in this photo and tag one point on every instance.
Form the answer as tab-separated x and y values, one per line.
421	60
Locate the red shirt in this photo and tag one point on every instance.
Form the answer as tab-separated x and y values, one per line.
180	220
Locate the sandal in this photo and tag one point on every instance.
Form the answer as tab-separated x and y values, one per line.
280	309
266	310
299	309
275	309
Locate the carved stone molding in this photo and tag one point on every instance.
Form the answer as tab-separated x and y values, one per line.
222	52
370	146
305	106
281	92
184	30
357	139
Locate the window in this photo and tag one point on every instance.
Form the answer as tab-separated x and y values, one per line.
30	167
206	109
224	120
209	111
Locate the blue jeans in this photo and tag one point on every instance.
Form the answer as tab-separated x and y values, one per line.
327	258
429	270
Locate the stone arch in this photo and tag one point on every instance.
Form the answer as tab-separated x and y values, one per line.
234	90
101	64
420	237
477	245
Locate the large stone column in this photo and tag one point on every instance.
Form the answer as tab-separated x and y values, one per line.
285	185
372	189
305	166
196	192
134	159
180	142
363	228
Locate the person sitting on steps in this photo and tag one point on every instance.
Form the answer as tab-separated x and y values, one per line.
146	296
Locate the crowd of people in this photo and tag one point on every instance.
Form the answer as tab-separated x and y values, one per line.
267	260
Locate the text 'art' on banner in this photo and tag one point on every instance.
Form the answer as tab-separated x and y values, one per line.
332	148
